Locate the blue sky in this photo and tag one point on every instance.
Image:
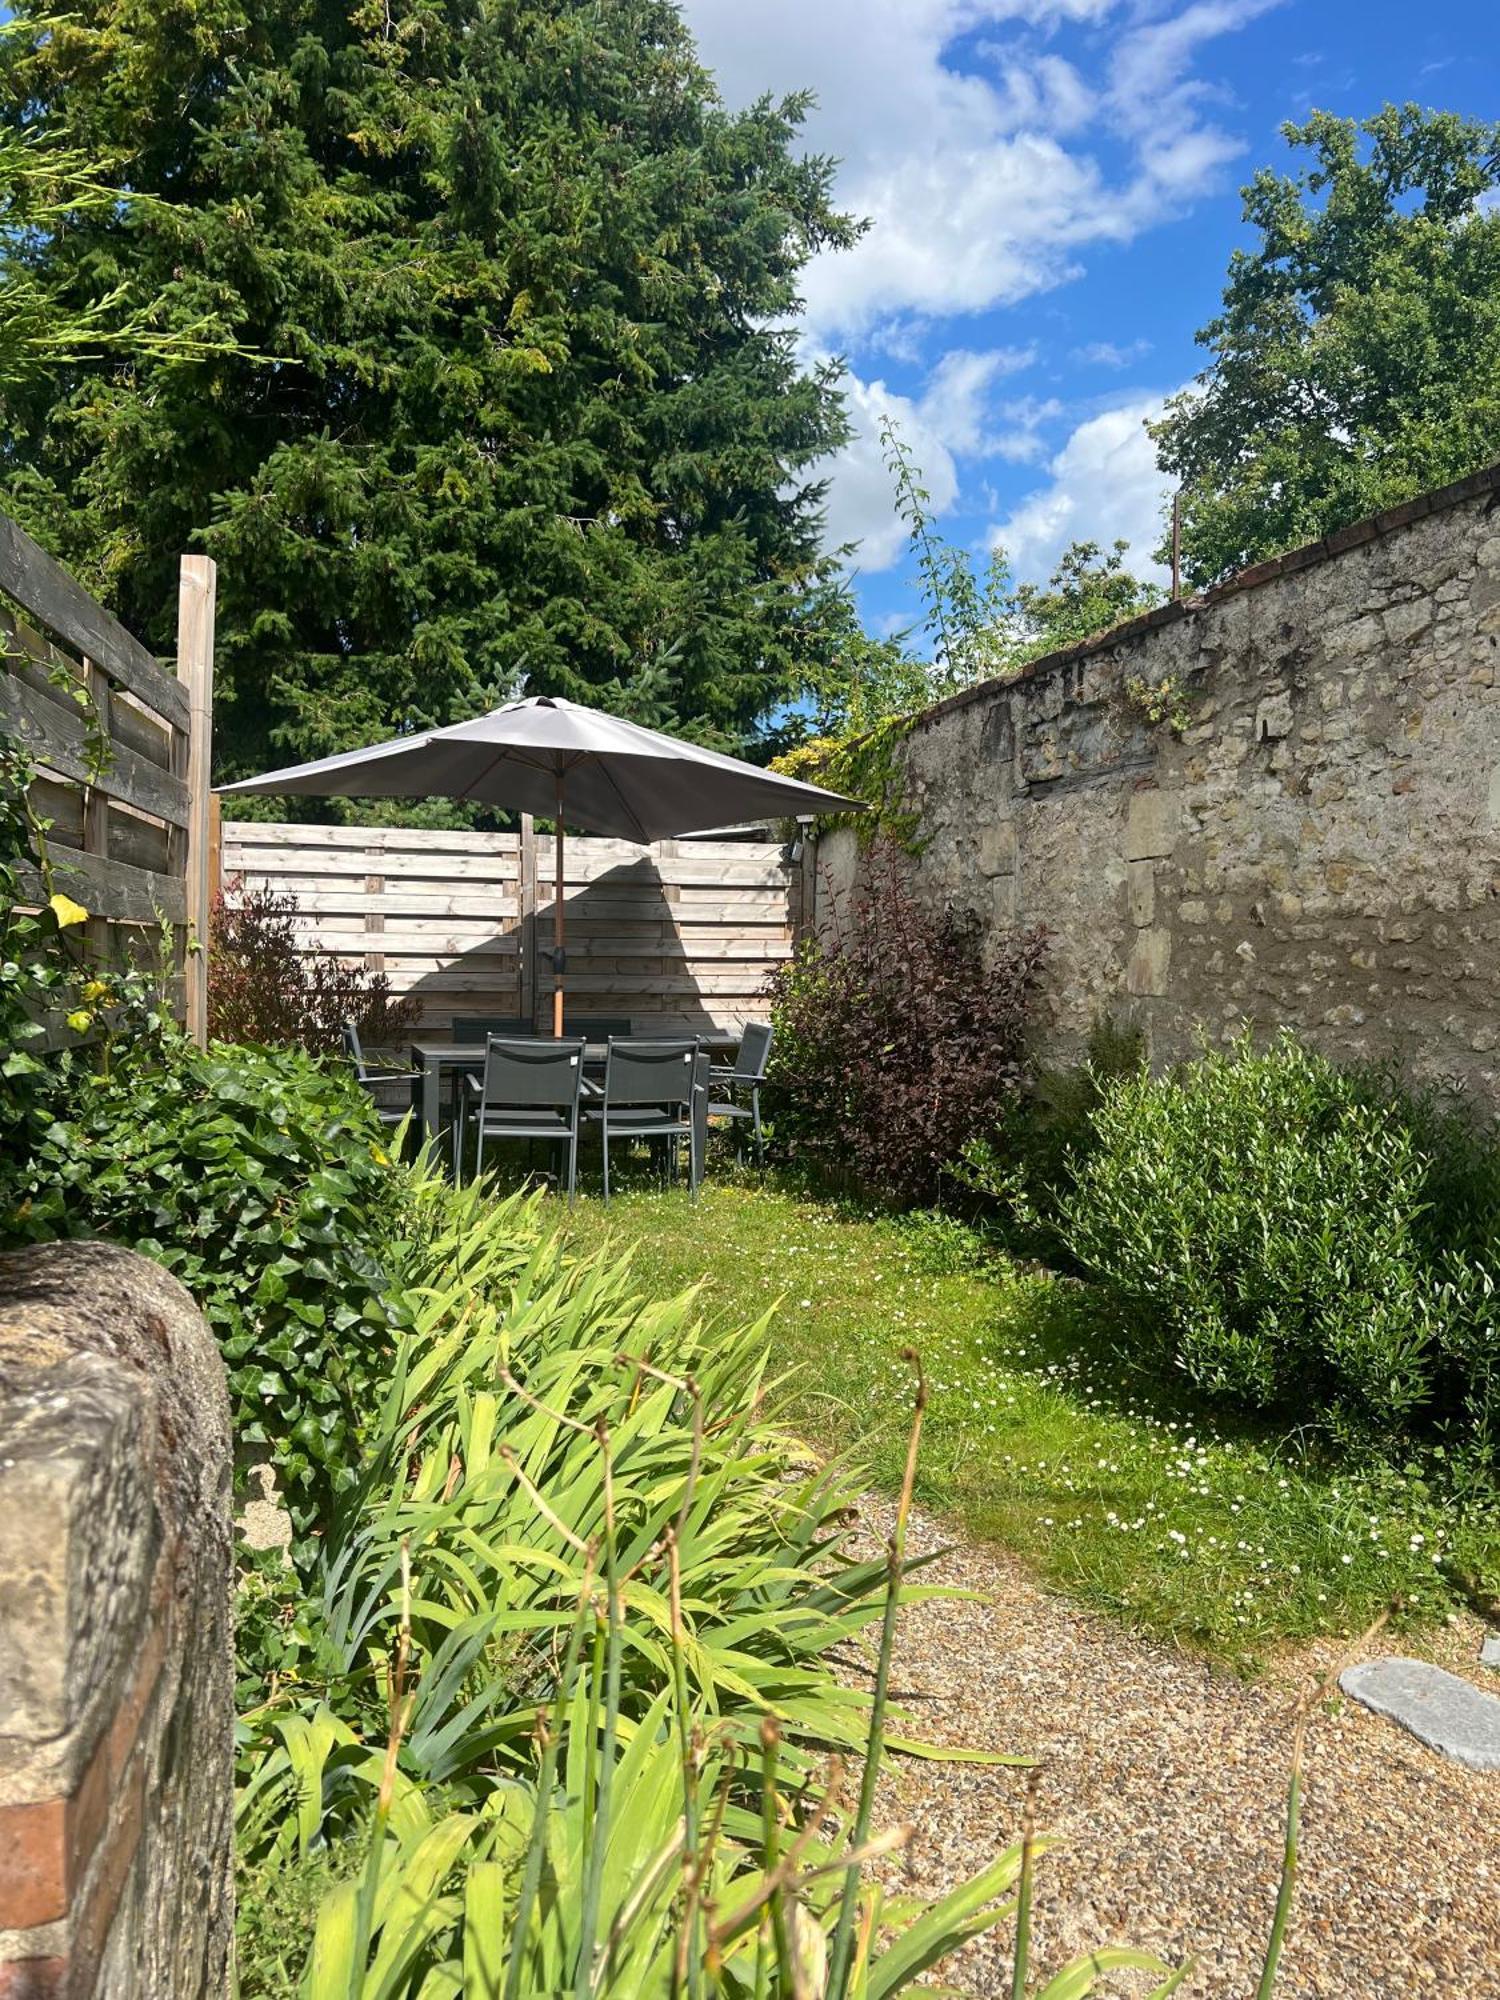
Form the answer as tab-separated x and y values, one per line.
1053	190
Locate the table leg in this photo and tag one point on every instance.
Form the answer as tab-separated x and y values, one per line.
431	1087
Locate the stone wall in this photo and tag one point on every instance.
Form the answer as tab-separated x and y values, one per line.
116	1666
1318	848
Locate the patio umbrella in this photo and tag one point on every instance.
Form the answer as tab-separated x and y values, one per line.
546	755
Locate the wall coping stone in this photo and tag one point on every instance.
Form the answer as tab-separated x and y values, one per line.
1356	534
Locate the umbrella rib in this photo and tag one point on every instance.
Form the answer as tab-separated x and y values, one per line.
508	750
625	806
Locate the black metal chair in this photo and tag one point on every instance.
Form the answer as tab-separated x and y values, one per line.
746	1073
480	1030
530	1090
648	1094
377	1078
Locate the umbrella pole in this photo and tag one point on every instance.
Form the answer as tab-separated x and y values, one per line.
557	922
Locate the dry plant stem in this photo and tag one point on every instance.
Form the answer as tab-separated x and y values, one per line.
1022	1964
400	1711
513	1464
772	1926
531	1873
598	1828
843	1937
1306	1708
686	1959
787	1872
543	1409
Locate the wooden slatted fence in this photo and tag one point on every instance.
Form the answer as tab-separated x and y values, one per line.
679	935
123	776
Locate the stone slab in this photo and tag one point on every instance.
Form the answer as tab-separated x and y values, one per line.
1489	1652
1448	1714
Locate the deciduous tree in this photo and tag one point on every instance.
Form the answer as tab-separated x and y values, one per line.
1357	358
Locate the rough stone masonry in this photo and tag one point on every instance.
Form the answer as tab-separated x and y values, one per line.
1319	846
116	1663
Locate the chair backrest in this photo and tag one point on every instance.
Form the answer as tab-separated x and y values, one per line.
509	1025
656	1072
532	1073
597	1027
755	1051
353	1049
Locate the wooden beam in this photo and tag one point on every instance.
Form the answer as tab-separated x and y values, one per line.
61	603
108	888
56	735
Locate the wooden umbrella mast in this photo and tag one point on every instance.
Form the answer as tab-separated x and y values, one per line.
558	954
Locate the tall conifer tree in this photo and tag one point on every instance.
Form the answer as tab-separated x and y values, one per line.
525	400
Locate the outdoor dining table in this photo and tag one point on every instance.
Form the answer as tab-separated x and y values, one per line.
438	1064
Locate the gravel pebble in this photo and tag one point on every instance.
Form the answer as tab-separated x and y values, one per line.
1164	1780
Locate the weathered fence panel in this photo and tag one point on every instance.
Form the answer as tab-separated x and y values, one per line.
121	749
682	934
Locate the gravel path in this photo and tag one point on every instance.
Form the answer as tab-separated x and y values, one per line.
1165	1781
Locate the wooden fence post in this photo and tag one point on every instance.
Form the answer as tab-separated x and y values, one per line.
215	848
196	585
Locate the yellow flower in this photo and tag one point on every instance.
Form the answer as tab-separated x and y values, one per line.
379	1156
96	990
67	911
80	1020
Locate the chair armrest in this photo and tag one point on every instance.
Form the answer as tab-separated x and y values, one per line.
721	1073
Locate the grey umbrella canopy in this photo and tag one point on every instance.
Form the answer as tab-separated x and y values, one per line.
549	756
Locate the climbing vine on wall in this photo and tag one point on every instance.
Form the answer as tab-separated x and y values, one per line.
868	767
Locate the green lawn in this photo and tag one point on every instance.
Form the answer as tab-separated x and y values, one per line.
1038	1437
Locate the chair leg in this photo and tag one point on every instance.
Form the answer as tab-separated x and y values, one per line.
572	1164
760	1144
606	1160
479	1148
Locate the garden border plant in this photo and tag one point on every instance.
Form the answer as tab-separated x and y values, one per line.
898	1041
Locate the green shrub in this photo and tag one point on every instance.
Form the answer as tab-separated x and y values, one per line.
1281	1229
1026	1168
260	1178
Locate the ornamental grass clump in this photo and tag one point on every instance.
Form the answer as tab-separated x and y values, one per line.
569	1720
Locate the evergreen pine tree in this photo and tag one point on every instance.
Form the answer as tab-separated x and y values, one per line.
524	401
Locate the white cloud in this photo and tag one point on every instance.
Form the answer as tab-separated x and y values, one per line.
955	417
862	494
1110	354
978	183
1104	485
956	403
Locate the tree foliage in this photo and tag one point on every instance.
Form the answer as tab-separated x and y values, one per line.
45	189
532	409
1357	358
1088	591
